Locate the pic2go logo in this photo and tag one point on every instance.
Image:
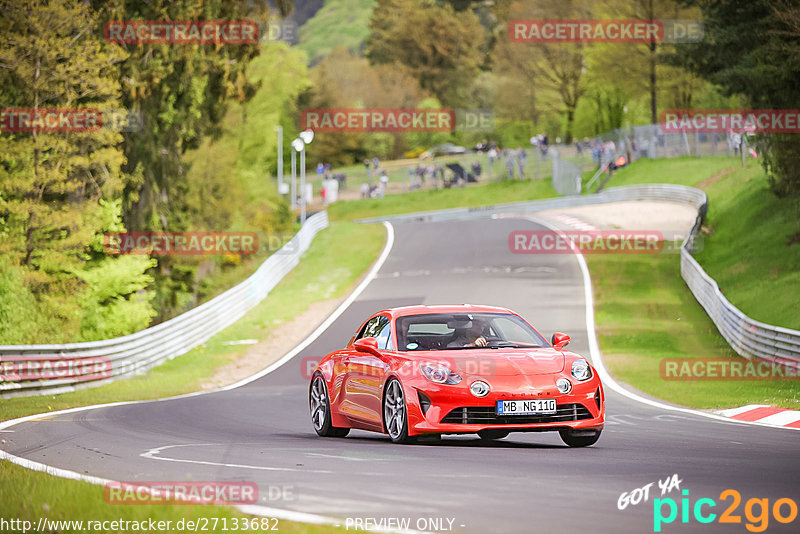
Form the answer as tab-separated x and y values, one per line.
783	511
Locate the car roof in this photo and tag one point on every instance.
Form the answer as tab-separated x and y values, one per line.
443	308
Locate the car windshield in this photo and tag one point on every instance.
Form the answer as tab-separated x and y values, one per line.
461	331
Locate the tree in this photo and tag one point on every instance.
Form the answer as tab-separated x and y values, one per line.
344	80
183	91
440	47
552	72
752	48
59	191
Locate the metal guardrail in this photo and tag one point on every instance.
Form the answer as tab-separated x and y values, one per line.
748	337
140	351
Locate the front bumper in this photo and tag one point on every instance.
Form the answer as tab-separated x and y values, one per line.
446	409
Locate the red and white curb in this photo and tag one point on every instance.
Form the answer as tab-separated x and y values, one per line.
765	415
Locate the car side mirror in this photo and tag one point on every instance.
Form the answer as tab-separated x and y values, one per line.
559	340
367	344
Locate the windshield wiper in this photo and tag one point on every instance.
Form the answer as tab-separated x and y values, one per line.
512	345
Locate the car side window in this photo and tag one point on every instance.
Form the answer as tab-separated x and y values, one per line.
384	336
373	327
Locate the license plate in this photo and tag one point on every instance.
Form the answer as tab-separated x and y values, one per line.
526	407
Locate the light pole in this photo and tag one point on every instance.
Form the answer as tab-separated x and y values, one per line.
305	138
280	158
294	177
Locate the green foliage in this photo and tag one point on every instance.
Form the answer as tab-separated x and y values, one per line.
381	86
753	48
60	190
183	91
229	186
52	181
115	302
441	47
338	24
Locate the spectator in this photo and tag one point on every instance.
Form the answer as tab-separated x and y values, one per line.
543	143
492	155
476	169
320	168
384	182
327	171
364	190
522	160
509	164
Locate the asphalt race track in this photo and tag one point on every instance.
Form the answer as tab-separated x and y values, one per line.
525	483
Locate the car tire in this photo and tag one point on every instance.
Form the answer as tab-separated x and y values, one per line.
395	412
579	438
491	434
320	405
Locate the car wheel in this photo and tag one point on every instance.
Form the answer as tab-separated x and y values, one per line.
395	414
579	438
490	435
321	410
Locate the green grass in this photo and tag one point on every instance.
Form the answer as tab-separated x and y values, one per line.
339	23
748	253
38	495
645	312
478	195
685	170
338	256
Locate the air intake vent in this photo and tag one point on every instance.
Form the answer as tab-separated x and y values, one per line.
487	415
424	402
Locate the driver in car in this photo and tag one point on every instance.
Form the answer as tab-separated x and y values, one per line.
474	336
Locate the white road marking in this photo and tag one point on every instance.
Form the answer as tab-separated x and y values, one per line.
257	510
349	458
152	454
597	360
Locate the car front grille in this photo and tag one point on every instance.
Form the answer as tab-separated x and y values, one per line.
487	415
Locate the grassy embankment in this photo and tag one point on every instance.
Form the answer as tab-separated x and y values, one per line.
645	312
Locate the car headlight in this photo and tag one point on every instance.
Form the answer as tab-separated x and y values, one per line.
564	386
439	374
581	370
479	388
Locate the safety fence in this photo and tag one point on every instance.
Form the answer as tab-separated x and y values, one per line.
748	337
47	369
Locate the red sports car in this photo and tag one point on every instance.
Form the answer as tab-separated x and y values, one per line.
431	370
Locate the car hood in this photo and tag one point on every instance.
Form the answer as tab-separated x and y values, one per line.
502	362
